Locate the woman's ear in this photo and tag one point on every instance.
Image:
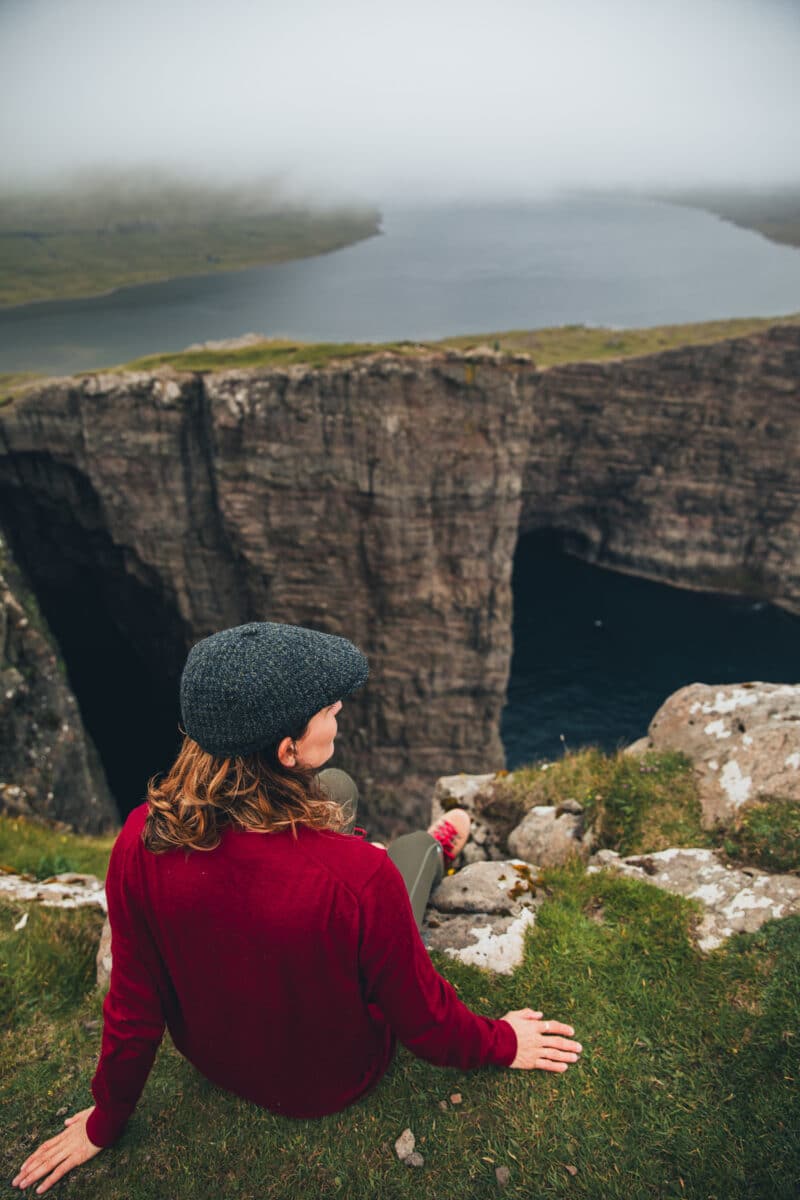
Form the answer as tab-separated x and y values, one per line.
287	753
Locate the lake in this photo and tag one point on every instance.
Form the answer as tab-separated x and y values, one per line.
437	272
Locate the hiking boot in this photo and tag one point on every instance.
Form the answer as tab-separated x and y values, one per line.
451	832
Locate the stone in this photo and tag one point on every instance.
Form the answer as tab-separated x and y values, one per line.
502	1175
487	887
414	1159
48	764
548	838
405	1144
482	940
743	739
103	958
60	891
736	900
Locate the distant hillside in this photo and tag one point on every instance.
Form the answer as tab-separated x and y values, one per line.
774	212
111	233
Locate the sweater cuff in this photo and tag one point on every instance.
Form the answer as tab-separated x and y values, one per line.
506	1044
102	1129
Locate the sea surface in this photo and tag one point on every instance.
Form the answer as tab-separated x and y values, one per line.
436	272
596	653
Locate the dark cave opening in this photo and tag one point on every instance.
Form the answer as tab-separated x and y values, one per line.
119	637
596	652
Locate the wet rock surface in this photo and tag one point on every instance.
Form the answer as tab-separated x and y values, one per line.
743	739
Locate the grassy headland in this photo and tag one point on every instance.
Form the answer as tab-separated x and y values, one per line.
547	347
106	234
687	1086
775	212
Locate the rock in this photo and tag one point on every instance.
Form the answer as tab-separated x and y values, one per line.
103	958
474	793
414	1159
48	764
502	1175
487	887
548	838
60	891
743	739
496	943
735	900
405	1144
640	746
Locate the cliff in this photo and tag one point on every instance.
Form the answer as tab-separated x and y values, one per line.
384	499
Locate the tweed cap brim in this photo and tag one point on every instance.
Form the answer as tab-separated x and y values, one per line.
245	688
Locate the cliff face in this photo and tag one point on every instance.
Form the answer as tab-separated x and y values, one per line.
48	765
383	499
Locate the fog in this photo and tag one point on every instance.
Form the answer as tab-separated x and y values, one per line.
370	100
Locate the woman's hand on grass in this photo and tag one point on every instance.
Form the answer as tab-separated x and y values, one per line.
544	1045
60	1154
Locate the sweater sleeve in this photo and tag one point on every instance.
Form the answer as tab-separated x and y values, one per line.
133	1020
420	1006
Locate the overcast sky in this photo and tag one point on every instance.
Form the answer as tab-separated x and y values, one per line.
379	100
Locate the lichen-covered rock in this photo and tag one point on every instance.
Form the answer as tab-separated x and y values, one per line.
743	739
48	765
480	939
502	888
68	890
549	837
736	900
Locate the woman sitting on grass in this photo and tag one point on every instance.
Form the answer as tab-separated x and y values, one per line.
285	966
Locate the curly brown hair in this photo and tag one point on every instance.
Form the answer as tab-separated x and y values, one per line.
202	794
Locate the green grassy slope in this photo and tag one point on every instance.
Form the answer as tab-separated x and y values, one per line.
687	1086
90	239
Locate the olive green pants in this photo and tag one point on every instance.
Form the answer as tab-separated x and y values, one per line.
417	856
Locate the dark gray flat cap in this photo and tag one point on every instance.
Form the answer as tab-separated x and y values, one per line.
244	689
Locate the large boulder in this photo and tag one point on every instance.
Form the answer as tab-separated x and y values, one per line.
743	738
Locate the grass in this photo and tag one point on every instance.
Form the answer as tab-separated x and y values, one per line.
117	232
687	1086
548	347
766	835
41	850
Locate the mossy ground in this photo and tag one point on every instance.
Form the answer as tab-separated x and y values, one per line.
687	1086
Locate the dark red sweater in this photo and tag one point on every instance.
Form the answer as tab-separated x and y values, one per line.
284	970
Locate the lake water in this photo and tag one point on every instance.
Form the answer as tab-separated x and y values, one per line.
437	272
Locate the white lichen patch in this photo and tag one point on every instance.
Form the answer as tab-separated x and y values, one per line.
709	893
728	702
792	761
62	891
737	787
500	952
717	729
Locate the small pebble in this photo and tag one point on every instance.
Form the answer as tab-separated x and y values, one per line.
502	1175
414	1160
62	1112
444	1106
455	1098
404	1146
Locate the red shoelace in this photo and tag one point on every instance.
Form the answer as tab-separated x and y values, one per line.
445	834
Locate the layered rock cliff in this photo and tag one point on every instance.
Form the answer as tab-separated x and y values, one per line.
384	498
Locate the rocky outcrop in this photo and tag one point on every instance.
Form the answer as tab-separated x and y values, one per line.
733	900
383	499
48	765
743	739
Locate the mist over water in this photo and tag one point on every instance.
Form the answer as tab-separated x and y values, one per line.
419	101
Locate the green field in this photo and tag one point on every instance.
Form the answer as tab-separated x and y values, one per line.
687	1087
87	240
